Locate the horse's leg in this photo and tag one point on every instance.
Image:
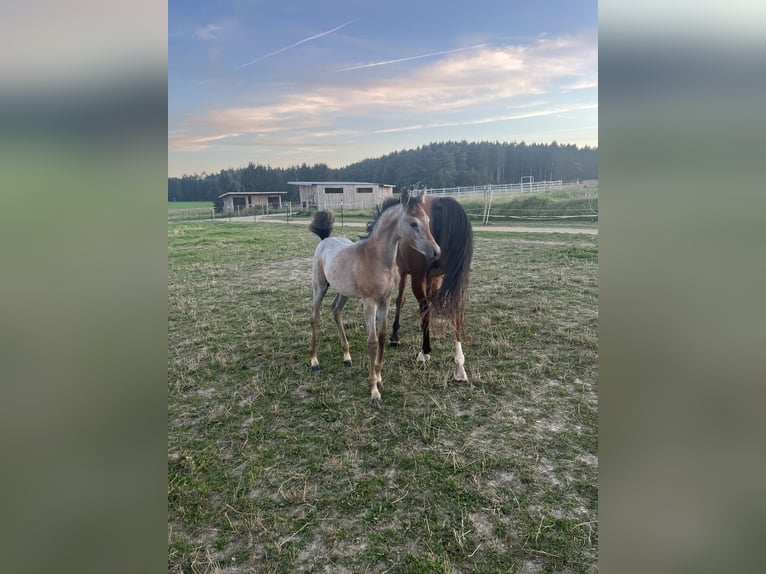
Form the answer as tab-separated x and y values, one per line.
399	303
320	289
460	374
419	290
381	322
370	316
337	313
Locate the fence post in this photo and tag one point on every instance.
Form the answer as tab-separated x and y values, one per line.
488	204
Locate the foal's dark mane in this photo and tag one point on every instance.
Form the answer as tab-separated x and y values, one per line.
379	209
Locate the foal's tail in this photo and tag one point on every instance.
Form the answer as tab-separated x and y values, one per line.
322	223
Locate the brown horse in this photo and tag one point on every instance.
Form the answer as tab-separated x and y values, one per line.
367	270
439	286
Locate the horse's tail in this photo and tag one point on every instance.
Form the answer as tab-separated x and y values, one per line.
322	223
453	232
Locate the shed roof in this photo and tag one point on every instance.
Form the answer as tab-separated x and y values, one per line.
253	193
339	183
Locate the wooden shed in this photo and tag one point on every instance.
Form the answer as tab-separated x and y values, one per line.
348	194
238	201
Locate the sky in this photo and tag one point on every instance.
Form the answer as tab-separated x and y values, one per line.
286	82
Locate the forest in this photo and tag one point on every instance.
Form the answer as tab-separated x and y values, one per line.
435	165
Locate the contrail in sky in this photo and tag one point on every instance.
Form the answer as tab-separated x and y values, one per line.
410	58
539	113
298	43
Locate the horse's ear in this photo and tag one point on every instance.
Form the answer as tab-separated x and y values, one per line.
405	196
417	198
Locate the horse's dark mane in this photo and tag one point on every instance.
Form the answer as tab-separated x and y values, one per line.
452	230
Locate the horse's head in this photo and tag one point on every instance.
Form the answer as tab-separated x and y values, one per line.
414	226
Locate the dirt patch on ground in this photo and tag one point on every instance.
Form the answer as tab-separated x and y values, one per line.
290	272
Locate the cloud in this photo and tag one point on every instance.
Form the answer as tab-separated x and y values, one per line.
467	82
177	142
212	31
298	43
476	77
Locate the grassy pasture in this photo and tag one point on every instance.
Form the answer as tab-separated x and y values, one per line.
274	468
188	210
174	205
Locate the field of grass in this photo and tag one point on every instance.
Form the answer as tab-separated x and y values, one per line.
275	468
188	210
174	205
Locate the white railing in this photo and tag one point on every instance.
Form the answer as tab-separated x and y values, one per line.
488	194
526	187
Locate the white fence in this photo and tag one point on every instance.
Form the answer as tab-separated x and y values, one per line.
524	187
492	200
487	194
190	213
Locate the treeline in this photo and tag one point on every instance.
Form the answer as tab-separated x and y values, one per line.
448	164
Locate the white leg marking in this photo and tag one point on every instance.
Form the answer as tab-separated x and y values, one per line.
460	374
423	358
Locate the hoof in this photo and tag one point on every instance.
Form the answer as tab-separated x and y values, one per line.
315	368
460	374
376	401
347	363
423	358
